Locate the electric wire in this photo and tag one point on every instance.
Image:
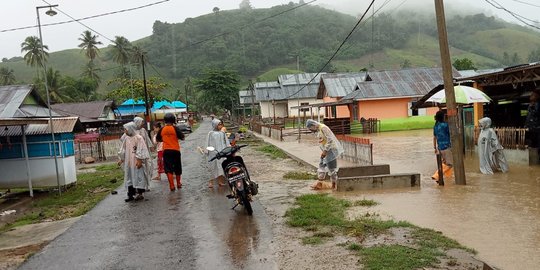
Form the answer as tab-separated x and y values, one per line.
526	3
85	18
336	52
513	14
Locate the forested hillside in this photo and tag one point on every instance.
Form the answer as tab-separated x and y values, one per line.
268	41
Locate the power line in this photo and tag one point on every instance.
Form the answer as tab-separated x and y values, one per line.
526	3
85	18
336	52
515	15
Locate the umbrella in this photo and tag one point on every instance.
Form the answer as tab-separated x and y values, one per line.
464	95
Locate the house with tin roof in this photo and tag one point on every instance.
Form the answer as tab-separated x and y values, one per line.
26	143
92	114
277	99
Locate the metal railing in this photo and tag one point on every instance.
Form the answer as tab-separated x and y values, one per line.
509	137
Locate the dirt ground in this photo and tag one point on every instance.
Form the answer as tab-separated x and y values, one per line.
277	195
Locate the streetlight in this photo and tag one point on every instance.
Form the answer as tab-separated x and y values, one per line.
49	12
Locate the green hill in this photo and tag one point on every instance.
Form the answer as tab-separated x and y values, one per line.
257	41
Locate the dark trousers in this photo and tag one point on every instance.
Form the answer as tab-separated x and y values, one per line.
132	191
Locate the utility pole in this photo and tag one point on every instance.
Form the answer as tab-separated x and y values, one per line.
456	137
252	89
146	104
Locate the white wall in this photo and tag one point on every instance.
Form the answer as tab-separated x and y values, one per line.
294	103
267	109
42	171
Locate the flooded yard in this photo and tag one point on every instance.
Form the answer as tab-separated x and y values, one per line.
497	215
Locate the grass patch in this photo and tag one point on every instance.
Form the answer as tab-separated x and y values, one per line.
317	210
397	257
366	203
273	151
321	214
409	123
312	240
300	176
75	201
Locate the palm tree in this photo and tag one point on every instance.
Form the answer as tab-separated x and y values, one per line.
89	44
53	79
91	71
121	50
7	76
35	55
137	54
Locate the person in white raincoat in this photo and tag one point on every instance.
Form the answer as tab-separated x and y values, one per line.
217	139
331	150
139	124
133	155
490	151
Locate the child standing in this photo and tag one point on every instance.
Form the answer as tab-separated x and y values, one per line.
134	154
159	149
169	135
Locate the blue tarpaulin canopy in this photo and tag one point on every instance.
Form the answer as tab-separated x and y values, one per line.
136	107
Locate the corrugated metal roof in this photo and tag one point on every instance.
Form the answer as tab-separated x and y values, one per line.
11	98
339	84
265	91
376	90
245	97
302	78
60	125
86	110
410	75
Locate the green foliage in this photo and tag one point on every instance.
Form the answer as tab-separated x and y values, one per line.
273	151
273	74
7	76
464	64
300	176
89	45
35	54
317	210
218	89
127	88
397	257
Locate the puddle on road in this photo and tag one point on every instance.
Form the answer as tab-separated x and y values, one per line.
498	215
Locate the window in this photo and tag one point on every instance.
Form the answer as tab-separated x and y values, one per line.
304	104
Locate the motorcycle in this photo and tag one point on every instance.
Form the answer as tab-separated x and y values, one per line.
237	175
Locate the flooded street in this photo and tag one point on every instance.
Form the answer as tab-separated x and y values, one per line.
497	215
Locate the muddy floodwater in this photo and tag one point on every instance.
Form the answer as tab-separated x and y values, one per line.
497	215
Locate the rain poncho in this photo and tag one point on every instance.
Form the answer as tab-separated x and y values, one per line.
133	148
490	151
218	140
329	143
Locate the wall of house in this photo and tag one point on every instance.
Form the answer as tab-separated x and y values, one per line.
384	108
294	103
342	111
267	109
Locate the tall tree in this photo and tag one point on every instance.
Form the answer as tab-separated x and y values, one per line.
35	54
89	44
7	76
127	88
91	71
245	4
137	54
55	86
464	64
218	89
121	50
215	10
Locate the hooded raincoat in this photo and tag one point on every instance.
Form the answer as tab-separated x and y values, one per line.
217	139
329	143
490	151
133	148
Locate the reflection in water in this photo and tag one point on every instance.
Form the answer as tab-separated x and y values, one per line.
242	238
498	215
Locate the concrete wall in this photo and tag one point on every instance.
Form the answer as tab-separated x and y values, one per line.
388	181
294	103
342	111
267	109
43	173
518	156
384	108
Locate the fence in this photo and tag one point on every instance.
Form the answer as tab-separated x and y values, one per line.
356	150
99	147
509	137
274	132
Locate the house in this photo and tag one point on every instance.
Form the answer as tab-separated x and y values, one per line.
247	102
390	94
93	114
334	86
26	143
278	99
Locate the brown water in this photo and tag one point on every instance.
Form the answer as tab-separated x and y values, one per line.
497	215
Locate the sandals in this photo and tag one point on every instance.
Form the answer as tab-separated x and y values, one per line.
139	197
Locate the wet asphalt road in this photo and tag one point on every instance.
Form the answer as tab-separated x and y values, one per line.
193	228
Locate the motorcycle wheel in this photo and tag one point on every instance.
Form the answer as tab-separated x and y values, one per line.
246	203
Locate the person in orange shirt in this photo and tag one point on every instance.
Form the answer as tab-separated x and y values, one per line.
172	159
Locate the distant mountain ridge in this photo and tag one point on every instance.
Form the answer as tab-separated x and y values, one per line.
252	41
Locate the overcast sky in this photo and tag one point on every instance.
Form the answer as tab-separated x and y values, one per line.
138	23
